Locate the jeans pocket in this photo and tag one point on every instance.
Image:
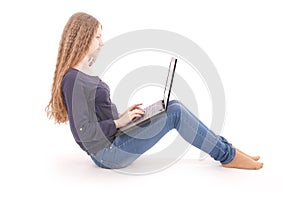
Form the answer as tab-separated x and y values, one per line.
109	158
98	162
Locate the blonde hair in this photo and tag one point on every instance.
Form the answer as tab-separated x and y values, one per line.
73	47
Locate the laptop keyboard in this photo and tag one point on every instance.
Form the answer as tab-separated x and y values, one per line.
150	111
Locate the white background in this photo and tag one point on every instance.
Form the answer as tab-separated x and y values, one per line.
255	47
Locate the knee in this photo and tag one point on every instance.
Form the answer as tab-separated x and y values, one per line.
172	102
175	105
175	109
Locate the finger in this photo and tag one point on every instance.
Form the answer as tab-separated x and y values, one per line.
135	106
135	113
135	117
138	111
132	116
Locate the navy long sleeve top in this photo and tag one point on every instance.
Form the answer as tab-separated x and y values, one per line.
90	110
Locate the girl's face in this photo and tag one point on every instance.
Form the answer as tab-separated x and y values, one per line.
96	42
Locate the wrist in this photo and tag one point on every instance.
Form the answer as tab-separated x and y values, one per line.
116	123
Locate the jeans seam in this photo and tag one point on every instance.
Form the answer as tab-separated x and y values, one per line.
124	143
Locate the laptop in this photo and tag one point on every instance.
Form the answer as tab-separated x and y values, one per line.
156	108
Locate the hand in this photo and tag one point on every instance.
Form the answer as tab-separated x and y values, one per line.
135	106
132	112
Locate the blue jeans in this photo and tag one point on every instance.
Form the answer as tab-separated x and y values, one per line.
126	148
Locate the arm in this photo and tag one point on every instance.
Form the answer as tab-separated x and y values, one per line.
85	119
86	128
132	112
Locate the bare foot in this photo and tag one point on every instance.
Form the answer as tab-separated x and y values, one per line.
241	161
256	158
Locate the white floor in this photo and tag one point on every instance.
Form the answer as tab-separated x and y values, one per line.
63	172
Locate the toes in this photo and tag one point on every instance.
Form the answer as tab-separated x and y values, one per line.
256	158
259	166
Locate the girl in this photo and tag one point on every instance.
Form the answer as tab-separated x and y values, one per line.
84	100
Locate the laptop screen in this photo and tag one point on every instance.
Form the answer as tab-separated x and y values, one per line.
169	81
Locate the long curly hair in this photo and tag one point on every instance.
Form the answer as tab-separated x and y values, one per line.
73	47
